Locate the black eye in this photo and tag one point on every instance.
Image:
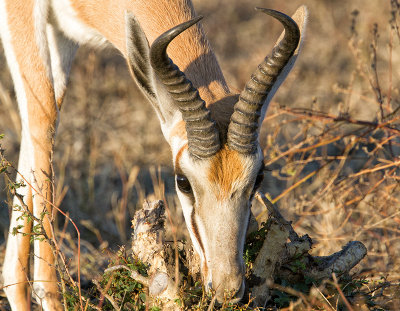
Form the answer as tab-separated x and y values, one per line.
259	179
183	184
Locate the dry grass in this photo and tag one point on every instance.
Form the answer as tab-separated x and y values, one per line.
331	136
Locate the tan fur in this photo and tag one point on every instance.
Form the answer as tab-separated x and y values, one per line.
39	91
179	130
37	84
212	92
190	51
226	167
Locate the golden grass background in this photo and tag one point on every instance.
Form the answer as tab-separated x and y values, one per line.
110	154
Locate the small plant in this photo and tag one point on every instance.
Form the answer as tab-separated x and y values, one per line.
118	288
254	243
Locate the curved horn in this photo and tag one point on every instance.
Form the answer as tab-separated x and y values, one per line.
202	134
243	128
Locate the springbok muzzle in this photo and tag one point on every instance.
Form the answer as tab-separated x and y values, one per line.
228	284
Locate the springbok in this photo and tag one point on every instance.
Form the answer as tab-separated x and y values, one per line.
213	132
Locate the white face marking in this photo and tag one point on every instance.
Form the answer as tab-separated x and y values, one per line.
217	225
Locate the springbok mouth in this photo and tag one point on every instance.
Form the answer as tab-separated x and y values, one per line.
239	294
224	295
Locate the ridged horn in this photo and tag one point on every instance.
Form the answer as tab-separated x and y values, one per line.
243	128
202	134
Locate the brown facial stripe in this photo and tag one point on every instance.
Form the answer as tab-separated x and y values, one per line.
196	233
226	167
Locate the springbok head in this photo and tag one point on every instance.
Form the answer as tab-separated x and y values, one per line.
218	164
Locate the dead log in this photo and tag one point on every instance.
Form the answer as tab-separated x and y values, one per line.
274	258
268	261
148	245
315	267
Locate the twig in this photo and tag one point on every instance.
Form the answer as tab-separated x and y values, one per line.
323	296
108	297
374	81
134	274
312	114
346	302
212	303
376	168
295	185
290	291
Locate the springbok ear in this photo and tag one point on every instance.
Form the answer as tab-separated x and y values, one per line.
138	56
300	17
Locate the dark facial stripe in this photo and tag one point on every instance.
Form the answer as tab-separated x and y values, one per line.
195	230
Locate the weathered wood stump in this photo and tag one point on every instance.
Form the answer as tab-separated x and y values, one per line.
148	245
273	258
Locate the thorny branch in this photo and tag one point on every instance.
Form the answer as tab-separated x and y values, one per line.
319	115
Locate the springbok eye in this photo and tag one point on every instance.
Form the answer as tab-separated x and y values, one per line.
183	184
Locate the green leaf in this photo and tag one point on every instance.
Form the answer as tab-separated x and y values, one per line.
142	297
16	229
178	302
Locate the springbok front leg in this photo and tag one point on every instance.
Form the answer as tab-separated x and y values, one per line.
29	62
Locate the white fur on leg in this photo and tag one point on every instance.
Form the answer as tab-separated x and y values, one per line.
15	268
